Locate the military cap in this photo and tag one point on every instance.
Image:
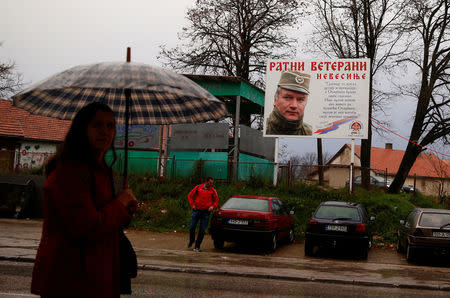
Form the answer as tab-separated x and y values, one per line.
295	81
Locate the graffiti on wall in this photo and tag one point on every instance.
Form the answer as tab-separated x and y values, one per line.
34	155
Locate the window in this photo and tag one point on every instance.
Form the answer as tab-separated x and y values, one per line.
434	220
247	204
283	208
335	212
410	219
276	208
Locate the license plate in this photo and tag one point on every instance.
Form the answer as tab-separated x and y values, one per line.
238	222
441	234
336	228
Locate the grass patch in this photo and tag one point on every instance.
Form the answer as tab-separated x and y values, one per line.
163	205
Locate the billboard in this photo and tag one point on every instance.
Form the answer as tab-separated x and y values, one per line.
199	136
252	142
139	136
320	98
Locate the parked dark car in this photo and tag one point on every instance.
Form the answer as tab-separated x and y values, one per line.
252	218
339	225
409	189
375	181
425	230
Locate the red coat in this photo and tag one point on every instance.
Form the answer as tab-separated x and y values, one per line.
79	250
202	198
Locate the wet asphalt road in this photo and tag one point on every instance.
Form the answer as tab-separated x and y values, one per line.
166	253
15	279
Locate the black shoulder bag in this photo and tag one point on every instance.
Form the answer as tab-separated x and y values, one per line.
128	263
128	259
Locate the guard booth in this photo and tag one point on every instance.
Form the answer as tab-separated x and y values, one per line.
248	153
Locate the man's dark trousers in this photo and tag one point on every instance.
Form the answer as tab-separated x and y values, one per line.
203	217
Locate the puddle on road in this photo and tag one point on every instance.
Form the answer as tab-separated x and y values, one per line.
387	273
317	264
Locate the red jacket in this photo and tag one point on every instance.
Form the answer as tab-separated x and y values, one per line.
79	250
202	198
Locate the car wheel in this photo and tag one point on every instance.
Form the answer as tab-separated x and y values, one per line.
364	252
410	253
218	243
400	248
291	235
273	244
308	247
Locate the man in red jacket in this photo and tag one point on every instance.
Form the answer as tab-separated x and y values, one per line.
203	199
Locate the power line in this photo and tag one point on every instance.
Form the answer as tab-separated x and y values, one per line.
407	139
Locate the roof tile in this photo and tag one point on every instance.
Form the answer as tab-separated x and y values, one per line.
18	122
426	165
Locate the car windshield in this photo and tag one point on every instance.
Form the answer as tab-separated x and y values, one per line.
378	179
337	212
247	204
434	220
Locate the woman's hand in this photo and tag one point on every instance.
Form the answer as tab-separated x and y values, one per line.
127	198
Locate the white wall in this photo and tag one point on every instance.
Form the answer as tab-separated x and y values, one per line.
34	154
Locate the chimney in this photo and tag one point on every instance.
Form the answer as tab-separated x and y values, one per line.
388	146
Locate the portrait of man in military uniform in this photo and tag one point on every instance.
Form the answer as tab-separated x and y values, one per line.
289	105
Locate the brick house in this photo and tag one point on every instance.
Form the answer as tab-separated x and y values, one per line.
27	140
431	174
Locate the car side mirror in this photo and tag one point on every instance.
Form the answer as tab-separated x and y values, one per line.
402	222
372	218
291	212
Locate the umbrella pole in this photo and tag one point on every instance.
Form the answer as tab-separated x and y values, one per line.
127	119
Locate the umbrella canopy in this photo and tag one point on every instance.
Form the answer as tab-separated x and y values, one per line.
157	96
136	92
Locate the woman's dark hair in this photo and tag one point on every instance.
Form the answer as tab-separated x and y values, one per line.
76	144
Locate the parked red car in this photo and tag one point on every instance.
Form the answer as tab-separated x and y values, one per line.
252	218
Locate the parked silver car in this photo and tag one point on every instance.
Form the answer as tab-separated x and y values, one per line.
375	181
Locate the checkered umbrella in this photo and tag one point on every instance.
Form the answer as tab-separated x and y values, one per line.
151	94
157	96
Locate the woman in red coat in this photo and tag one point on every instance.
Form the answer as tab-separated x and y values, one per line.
79	250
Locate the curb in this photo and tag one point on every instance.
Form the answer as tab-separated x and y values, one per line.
293	278
268	276
17	259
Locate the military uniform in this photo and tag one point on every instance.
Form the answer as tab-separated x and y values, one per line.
277	124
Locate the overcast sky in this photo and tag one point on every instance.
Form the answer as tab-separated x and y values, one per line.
44	37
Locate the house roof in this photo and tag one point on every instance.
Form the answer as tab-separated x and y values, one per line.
15	122
426	165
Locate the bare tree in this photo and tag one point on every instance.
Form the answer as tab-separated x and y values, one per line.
430	21
283	155
360	29
234	37
10	81
305	164
442	172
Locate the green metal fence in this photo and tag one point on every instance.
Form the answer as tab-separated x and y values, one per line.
194	164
